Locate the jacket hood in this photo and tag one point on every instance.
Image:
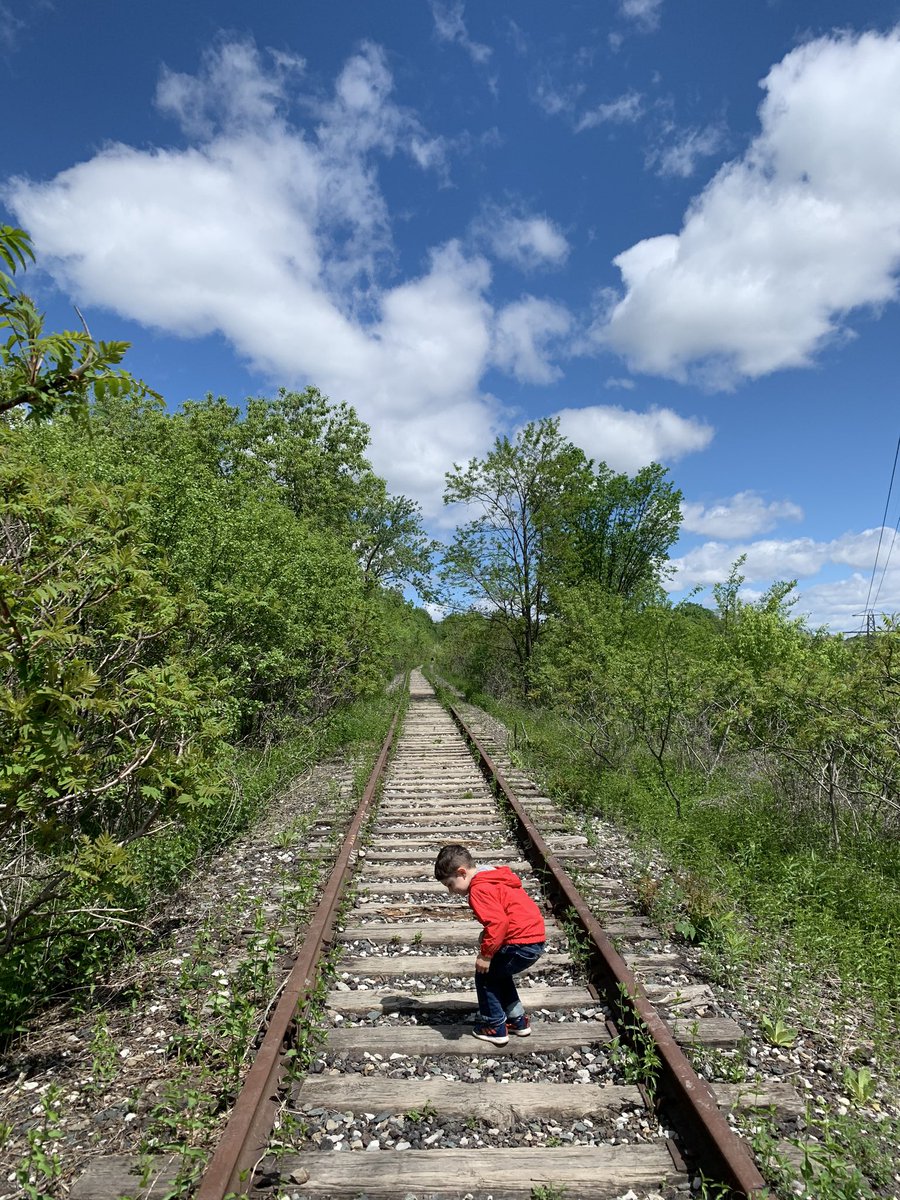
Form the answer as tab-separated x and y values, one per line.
495	876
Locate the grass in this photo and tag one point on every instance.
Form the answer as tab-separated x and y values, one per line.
738	850
848	1157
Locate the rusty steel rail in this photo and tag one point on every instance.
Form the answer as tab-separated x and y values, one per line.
247	1132
721	1150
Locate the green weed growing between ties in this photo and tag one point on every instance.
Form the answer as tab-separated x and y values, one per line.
634	1051
548	1191
729	1066
417	1115
709	1190
578	942
41	1166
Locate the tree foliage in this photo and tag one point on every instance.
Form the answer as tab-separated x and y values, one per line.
685	694
618	531
261	514
108	725
500	557
546	519
42	372
390	542
168	591
172	585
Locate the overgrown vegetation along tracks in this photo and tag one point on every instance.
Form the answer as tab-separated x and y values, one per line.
433	1111
149	1061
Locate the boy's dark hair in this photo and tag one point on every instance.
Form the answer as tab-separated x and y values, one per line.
450	859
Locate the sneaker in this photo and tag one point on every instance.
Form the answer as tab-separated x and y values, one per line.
519	1026
491	1033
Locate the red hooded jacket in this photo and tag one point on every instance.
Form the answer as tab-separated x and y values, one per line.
504	908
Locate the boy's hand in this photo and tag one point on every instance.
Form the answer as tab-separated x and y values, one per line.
482	964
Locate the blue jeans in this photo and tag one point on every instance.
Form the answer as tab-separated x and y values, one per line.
497	995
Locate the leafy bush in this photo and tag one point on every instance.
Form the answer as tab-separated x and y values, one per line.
762	756
108	726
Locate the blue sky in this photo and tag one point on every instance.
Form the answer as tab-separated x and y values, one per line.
677	229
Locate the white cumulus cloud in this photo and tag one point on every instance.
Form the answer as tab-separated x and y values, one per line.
740	516
837	602
278	236
526	332
232	90
627	440
786	241
773	558
527	242
840	603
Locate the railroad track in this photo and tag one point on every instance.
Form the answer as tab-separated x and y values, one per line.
400	1100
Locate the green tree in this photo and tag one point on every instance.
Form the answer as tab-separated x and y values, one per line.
818	715
576	668
410	631
389	541
549	519
634	680
727	594
473	651
501	559
618	531
108	724
42	372
314	451
287	616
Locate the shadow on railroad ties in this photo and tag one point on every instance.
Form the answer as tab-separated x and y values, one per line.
453	1023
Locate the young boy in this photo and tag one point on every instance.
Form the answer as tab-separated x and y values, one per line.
513	939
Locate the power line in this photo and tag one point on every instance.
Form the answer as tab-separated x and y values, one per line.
887	505
887	560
